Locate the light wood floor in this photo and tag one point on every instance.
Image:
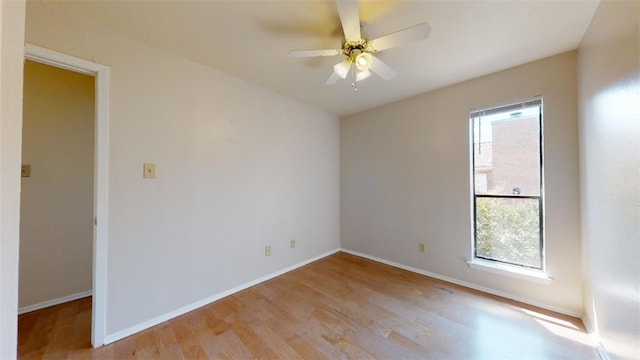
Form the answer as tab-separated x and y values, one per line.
342	306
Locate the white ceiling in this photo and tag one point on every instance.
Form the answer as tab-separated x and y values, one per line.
251	40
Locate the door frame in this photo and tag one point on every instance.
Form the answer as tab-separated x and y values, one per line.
100	175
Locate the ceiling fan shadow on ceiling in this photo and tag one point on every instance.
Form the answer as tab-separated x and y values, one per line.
360	61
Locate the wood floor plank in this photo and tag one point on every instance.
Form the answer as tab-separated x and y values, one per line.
256	345
311	331
339	307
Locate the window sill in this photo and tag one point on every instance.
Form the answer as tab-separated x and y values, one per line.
512	271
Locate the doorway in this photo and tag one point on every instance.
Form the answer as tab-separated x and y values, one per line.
56	199
94	151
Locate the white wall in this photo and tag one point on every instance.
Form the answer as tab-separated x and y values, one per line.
56	209
12	18
238	167
405	179
609	93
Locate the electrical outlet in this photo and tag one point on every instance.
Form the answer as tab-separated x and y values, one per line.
422	247
293	244
267	250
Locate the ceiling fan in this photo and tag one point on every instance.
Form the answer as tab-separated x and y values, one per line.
359	50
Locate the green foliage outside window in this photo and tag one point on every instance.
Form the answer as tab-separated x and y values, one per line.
508	230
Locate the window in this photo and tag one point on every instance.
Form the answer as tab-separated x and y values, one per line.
508	189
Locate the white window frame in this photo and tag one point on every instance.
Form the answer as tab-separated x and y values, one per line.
494	265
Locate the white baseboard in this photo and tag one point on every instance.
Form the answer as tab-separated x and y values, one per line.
48	303
185	309
595	338
467	284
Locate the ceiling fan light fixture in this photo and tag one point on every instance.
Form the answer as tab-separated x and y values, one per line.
362	74
342	69
363	61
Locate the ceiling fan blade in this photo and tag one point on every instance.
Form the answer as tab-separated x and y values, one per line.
311	53
405	36
332	79
350	19
382	69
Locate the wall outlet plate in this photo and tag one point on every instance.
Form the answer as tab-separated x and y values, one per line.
422	247
149	171
293	244
25	170
267	250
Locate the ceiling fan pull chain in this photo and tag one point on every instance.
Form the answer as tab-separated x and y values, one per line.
353	83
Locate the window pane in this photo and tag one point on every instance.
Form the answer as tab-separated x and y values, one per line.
508	230
506	148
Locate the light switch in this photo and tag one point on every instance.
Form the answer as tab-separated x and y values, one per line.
149	171
25	171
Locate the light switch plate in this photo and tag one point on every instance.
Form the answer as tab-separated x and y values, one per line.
149	171
25	171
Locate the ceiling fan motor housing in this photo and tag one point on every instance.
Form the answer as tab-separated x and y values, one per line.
351	49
